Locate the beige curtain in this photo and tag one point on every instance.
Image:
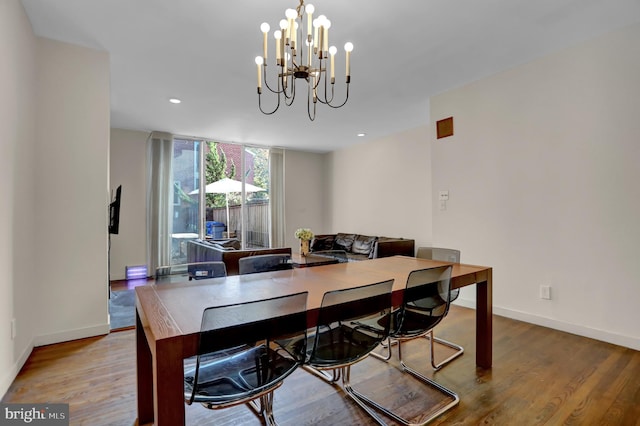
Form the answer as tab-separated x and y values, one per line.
276	196
159	200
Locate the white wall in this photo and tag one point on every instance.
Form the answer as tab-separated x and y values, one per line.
383	187
17	187
54	127
128	168
71	169
306	194
543	178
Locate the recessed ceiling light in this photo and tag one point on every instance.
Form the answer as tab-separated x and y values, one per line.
361	134
175	100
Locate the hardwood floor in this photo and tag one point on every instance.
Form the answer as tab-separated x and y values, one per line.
540	377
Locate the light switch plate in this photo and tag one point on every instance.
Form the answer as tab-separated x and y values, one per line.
444	195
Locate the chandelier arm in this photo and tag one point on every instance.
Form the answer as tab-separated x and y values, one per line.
292	94
287	73
309	102
345	100
260	105
327	101
266	83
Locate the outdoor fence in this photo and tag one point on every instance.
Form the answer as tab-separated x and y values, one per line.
257	232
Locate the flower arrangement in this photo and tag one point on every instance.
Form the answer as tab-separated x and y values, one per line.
304	234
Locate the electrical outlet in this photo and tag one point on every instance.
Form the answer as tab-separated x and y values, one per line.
14	331
545	292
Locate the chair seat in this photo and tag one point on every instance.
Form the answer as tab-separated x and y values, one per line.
346	344
226	377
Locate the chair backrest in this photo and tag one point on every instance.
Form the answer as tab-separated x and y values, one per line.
252	324
438	253
264	263
425	301
190	271
444	254
341	255
351	323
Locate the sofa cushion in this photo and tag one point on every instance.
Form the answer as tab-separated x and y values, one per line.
363	244
356	257
322	242
343	242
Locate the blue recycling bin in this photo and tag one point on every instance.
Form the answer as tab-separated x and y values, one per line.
215	229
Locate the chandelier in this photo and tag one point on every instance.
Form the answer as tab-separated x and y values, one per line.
302	53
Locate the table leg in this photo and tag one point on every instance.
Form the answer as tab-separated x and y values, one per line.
144	371
168	371
484	322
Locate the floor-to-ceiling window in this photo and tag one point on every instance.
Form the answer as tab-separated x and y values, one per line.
256	203
225	213
186	204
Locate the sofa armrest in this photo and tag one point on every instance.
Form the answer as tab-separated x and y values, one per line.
386	247
201	251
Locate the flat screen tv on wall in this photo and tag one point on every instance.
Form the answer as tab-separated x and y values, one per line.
114	212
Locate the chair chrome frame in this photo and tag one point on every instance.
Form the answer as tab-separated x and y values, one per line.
342	309
421	278
447	255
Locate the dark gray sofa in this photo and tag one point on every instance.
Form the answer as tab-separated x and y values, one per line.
361	247
227	251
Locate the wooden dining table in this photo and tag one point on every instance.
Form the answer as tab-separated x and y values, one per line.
168	317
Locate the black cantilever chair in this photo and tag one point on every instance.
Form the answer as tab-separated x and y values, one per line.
425	303
447	255
351	324
240	361
264	263
190	271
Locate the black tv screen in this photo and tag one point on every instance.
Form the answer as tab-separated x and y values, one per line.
114	212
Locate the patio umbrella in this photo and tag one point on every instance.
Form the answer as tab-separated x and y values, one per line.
225	186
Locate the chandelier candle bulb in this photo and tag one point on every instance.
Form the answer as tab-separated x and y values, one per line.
321	41
259	62
291	30
316	25
327	25
332	52
309	9
265	32
348	47
278	35
294	38
283	27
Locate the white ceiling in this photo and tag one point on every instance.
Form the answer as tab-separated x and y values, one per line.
202	51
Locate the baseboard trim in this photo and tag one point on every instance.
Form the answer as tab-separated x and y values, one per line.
580	330
11	375
65	336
